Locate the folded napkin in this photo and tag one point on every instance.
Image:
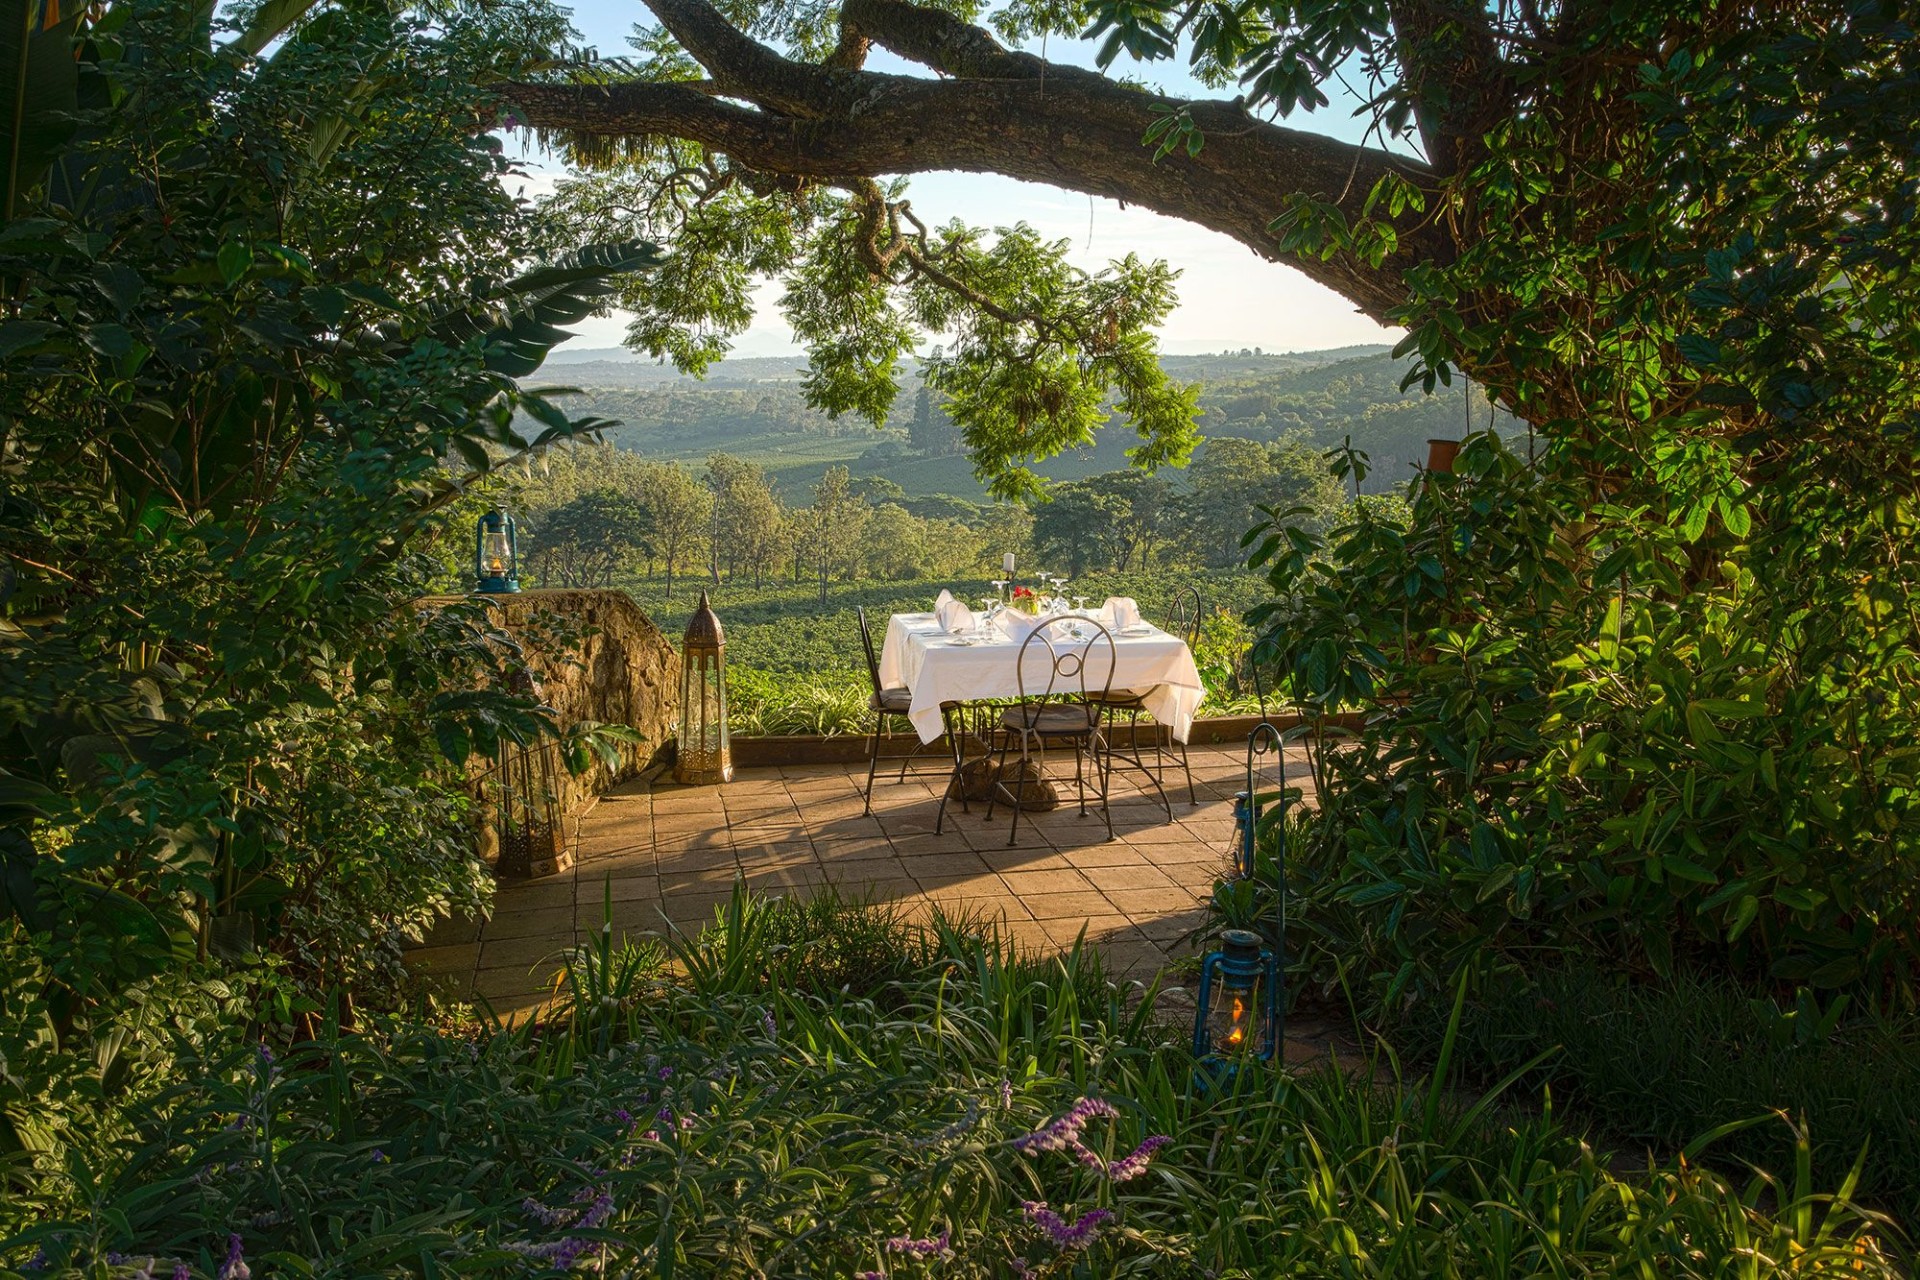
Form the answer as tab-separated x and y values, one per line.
1018	625
953	615
1124	610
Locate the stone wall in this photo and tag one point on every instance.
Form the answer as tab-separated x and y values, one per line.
595	657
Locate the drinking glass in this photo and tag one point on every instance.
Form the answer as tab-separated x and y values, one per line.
1079	604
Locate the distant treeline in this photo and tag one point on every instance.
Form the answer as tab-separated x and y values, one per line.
595	514
1303	399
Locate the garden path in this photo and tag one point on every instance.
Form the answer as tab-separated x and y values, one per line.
668	855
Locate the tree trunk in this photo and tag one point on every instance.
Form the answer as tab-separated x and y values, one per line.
991	110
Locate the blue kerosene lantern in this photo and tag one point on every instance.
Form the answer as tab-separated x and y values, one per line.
496	554
1239	1011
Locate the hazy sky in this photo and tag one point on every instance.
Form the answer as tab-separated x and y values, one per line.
1228	296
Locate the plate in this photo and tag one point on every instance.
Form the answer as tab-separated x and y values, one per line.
1138	629
963	641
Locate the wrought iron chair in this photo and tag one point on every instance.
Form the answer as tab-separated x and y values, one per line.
889	705
1183	619
1064	667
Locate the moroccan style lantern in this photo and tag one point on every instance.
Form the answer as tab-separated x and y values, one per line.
530	822
1239	1010
530	813
496	554
702	755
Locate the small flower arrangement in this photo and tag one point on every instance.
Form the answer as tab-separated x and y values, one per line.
1024	600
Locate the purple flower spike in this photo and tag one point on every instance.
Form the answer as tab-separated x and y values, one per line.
666	1073
1064	1134
598	1212
235	1267
1064	1234
1006	1094
1135	1162
869	1275
772	1027
181	1271
940	1245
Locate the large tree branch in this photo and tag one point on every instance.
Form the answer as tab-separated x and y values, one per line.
1003	112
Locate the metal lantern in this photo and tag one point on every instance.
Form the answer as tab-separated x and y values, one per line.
530	816
1239	1011
531	823
496	554
702	755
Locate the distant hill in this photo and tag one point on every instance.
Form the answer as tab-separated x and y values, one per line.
753	408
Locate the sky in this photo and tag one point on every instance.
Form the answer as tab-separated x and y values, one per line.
1229	297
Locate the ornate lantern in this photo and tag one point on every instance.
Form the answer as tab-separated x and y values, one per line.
531	809
496	554
701	754
1238	1013
531	824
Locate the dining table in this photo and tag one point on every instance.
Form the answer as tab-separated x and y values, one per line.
939	669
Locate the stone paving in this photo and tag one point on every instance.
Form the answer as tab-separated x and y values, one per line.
668	855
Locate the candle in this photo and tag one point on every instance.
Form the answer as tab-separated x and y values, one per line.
1006	562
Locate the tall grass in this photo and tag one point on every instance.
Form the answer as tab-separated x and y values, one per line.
829	1089
1653	1064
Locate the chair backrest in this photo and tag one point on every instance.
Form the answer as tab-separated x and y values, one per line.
866	643
1064	658
1184	615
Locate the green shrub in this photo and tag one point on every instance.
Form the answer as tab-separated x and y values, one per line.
1659	1063
749	1118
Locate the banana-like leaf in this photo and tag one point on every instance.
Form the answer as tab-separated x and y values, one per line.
41	84
522	322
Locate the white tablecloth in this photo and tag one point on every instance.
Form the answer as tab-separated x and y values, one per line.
919	657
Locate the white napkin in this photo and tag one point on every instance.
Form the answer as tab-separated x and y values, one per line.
1124	610
953	615
944	596
1018	625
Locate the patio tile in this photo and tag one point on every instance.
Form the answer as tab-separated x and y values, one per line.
851	848
946	865
1151	902
521	953
1067	906
1103	855
1025	884
626	887
688	861
540	922
449	958
1136	876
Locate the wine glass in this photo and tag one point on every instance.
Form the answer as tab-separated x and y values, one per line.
1079	604
999	585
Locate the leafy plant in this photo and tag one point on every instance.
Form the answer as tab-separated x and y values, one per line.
972	1110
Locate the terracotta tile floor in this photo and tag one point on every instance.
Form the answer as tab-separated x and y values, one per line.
668	855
